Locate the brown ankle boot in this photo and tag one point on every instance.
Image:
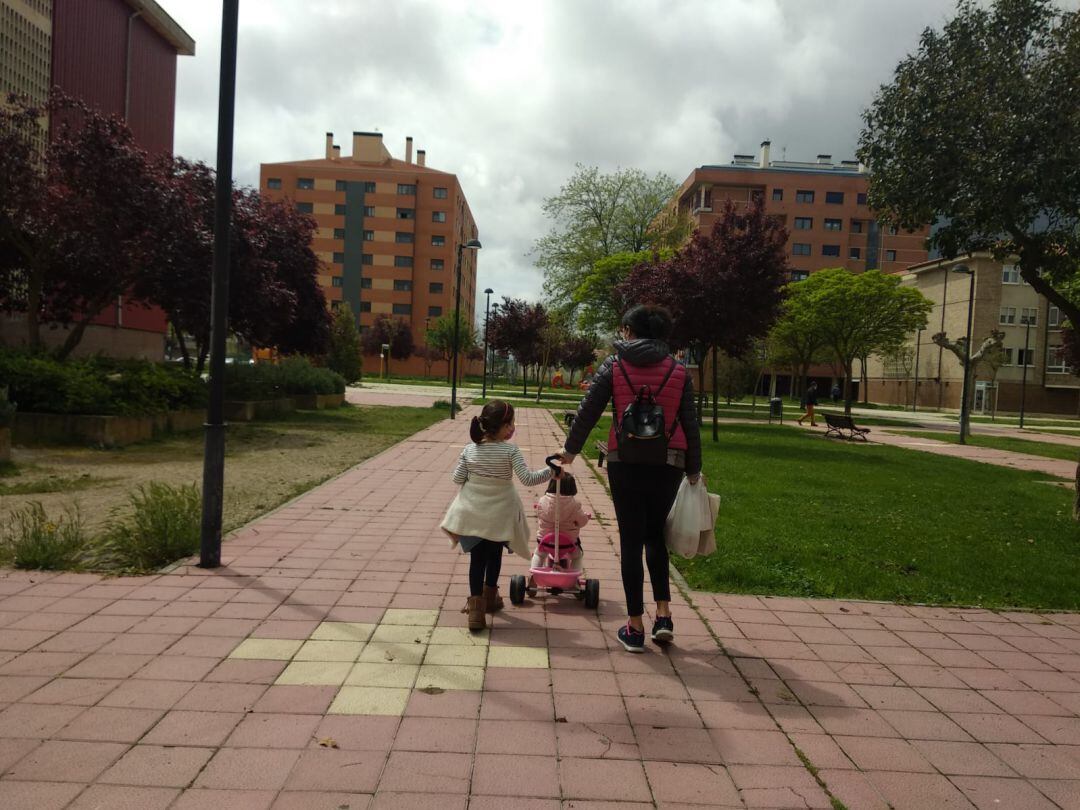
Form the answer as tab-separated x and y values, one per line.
492	600
475	608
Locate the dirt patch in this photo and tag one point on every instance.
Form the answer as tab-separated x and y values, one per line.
266	463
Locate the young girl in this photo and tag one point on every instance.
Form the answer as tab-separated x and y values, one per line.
571	518
486	517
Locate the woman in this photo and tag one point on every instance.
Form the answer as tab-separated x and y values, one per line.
643	493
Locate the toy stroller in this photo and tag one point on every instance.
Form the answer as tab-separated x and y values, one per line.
554	577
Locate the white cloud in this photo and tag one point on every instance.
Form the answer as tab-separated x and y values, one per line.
510	95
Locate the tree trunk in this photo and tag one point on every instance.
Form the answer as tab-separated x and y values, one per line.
865	381
1076	498
33	311
183	348
701	394
715	389
74	337
848	368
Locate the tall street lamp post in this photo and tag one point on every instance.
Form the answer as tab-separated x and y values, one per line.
472	244
1023	383
487	334
214	451
491	365
964	427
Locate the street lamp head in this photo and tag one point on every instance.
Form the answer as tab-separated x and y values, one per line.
472	244
488	291
962	268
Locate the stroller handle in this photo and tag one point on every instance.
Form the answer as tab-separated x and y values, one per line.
550	461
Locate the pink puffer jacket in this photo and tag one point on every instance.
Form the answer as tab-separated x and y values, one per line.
571	516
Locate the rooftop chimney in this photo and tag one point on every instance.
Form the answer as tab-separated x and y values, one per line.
367	147
329	145
421	157
408	149
824	159
763	155
337	152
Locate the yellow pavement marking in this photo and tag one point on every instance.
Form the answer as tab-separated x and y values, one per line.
456	655
460	635
370	700
315	673
396	675
378	652
330	651
343	631
401	634
440	677
524	657
422	618
266	649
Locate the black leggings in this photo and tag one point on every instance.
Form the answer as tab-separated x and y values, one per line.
643	496
485	563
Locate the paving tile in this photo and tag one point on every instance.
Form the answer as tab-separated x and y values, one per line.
962	759
777	786
663	712
992	793
36	795
267	649
515	775
119	797
358	732
1060	730
204	799
394	675
515	737
61	761
520	657
996	728
418	618
432	676
612	780
334	770
330	651
925	726
248	769
822	751
391	800
918	790
110	724
76	692
259	730
401	634
681	745
321	800
448	704
460	636
158	766
290	699
370	700
221	697
1064	792
413	772
751	747
437	734
674	782
314	673
854	789
590	708
457	655
381	652
192	728
1040	761
499	803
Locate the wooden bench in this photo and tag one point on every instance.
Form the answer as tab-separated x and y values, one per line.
839	423
601	453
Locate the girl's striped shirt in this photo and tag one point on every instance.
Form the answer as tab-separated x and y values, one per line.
497	460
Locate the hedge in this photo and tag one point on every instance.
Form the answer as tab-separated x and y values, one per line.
295	375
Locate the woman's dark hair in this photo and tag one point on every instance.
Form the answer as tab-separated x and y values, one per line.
648	321
569	485
490	421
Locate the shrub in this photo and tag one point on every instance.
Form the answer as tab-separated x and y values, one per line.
298	376
7	413
164	526
444	405
345	356
34	541
294	375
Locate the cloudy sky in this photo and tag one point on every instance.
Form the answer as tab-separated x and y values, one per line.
510	94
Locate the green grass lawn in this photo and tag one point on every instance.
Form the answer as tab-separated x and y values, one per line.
1009	443
803	516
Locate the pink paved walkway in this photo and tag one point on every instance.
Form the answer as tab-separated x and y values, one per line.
325	666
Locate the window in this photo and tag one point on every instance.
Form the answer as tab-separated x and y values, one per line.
305	182
339	233
438	241
366	258
402	285
834	197
800	249
438	216
335	304
804	223
369	210
1055	360
403	238
799	275
804	196
365	306
830	250
1006	357
435	287
1010	274
403	261
893	230
1007	315
1029	315
406	188
890	255
365	283
855	253
856	226
1053	317
434	312
860	198
340	209
1020	359
777	195
406	213
369	236
437	264
273	182
402	309
305	208
369	188
335	281
441	194
340	185
339	258
834	224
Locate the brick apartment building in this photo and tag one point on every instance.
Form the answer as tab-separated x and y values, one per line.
388	233
119	57
1003	302
822	204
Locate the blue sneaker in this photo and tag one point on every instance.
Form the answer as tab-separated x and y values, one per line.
633	640
663	630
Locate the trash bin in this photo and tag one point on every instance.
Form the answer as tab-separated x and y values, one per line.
776	409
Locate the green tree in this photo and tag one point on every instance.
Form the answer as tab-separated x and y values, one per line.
796	340
979	133
440	340
595	296
858	315
345	356
596	215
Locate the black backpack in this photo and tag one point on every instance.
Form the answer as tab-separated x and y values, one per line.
642	434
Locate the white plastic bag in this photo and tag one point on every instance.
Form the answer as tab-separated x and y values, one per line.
707	543
690	517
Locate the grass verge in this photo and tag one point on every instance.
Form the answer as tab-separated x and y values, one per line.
1008	443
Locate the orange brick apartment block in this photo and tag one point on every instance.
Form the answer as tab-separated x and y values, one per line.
822	204
388	230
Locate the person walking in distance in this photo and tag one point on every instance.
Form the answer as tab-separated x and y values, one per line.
645	382
809	402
